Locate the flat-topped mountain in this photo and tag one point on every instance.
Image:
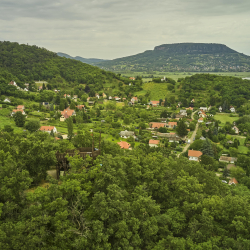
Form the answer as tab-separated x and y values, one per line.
200	57
91	61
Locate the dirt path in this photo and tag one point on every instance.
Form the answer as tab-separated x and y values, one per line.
192	137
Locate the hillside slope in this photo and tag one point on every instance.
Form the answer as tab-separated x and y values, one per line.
25	63
193	57
91	61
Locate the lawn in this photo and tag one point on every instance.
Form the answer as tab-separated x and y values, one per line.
225	118
157	90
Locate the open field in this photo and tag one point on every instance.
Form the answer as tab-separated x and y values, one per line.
157	90
176	75
225	118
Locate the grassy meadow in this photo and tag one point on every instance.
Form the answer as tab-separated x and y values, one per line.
225	118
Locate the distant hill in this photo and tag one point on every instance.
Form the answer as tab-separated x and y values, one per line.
23	63
193	57
91	61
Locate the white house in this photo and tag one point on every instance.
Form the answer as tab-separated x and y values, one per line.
127	134
194	155
48	129
236	130
7	100
203	108
232	109
220	109
200	120
16	110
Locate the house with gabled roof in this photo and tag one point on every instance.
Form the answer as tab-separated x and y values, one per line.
228	159
22	107
172	124
66	113
232	109
200	120
80	107
236	130
13	83
7	100
134	99
153	143
17	110
194	155
132	78
157	125
154	103
233	181
48	129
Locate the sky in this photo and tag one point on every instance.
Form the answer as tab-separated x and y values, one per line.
110	29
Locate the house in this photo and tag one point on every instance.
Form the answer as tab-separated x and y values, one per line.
194	155
232	109
7	100
104	95
97	96
132	78
80	107
44	103
26	85
163	79
202	114
190	108
117	98
157	125
192	100
154	103
110	97
66	113
13	83
25	89
203	108
134	99
127	134
124	144
88	99
172	124
200	120
172	137
20	107
48	129
183	112
220	109
91	102
228	159
66	96
233	181
16	110
40	88
236	130
153	143
75	97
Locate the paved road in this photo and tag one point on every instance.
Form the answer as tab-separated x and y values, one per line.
192	137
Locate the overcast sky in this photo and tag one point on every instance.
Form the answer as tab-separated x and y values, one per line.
115	28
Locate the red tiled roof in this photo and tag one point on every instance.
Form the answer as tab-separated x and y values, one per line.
20	106
157	124
46	128
123	144
233	181
80	106
194	153
172	124
154	141
154	102
67	112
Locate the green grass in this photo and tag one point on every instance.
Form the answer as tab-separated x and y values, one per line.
225	118
157	90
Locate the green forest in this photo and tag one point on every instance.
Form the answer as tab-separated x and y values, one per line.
141	197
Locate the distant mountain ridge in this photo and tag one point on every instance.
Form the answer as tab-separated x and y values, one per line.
91	61
193	57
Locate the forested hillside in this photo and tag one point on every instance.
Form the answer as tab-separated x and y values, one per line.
193	57
31	63
215	90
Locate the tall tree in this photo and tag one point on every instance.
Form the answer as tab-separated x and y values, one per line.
207	148
19	119
182	128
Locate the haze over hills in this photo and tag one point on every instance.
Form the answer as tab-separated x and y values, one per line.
91	61
193	57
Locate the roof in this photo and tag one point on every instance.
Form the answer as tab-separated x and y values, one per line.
46	128
80	106
200	119
20	107
194	153
135	98
172	124
229	159
154	102
127	133
157	124
233	181
154	141
17	110
67	112
123	144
